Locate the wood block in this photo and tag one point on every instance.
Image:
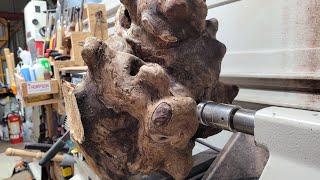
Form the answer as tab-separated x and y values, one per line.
77	38
10	65
90	21
72	111
6	51
60	35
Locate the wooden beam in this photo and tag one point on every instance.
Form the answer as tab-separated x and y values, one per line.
48	110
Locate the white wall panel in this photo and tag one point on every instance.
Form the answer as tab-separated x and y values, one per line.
273	48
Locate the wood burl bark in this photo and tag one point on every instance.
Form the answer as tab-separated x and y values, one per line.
138	100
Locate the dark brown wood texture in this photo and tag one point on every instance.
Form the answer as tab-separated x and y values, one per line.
139	98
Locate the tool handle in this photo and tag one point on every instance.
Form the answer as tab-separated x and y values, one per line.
24	153
62	57
52	152
42	147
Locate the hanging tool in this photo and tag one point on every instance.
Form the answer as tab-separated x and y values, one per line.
77	19
60	24
99	21
50	23
80	16
71	20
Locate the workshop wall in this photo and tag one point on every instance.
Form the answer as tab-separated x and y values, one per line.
13	5
273	57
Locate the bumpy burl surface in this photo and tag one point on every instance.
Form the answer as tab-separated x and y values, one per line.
139	98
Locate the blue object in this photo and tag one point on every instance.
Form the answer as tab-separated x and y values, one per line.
26	74
93	1
32	74
74	3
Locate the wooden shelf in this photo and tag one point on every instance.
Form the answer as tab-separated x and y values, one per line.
74	68
42	92
62	64
53	84
41	103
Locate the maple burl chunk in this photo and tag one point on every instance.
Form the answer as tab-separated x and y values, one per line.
138	100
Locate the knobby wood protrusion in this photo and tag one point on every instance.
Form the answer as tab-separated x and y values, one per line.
138	101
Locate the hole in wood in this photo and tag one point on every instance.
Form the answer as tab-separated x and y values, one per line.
135	66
